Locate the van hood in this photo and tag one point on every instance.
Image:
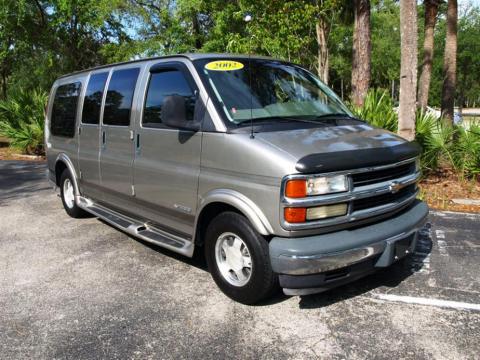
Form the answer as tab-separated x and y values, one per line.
324	149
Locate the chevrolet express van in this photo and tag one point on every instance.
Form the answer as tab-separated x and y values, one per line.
253	161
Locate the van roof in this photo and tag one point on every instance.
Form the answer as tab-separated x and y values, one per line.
190	56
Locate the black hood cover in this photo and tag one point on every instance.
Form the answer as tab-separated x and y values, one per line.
355	159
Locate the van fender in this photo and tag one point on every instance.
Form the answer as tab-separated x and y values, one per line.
240	202
66	160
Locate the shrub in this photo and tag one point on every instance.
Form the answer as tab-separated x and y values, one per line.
378	110
22	120
443	146
436	141
466	152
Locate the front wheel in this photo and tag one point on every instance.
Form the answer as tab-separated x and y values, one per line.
237	257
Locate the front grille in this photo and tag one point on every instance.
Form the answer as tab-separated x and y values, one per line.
379	200
373	177
370	195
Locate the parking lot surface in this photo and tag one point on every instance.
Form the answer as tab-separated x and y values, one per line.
81	289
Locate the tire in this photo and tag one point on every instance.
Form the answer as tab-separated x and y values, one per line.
66	193
231	236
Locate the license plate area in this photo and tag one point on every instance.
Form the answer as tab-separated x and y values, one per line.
395	250
402	247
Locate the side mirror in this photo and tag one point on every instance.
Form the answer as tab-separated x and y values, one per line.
174	113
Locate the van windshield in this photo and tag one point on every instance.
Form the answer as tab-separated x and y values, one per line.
269	91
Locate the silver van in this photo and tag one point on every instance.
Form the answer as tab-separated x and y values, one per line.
251	160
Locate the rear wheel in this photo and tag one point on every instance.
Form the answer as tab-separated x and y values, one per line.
67	192
237	257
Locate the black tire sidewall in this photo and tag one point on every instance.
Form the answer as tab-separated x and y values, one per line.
263	280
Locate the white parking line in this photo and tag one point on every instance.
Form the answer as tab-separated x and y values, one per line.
430	302
442	244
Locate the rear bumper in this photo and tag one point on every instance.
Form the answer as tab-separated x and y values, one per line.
317	261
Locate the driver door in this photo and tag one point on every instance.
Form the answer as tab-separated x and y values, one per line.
167	160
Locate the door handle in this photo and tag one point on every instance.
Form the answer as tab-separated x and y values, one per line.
104	138
137	145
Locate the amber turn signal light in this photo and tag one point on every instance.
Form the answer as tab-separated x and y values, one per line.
296	188
295	215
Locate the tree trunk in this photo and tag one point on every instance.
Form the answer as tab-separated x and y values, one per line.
362	47
431	11
4	83
450	63
322	28
408	69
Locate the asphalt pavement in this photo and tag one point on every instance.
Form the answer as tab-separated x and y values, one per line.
80	289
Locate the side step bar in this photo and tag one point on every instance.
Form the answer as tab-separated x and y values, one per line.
137	228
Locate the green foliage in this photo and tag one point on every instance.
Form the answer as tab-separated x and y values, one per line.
442	145
378	110
385	20
22	120
41	40
468	58
436	141
466	153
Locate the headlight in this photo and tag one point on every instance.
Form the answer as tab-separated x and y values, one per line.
327	185
298	188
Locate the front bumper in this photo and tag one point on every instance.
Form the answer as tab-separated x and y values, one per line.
315	263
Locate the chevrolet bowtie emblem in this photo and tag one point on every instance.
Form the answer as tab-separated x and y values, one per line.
395	187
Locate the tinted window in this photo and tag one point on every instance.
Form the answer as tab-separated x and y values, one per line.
118	103
93	99
64	110
163	84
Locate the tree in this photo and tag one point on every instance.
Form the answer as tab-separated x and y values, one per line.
450	63
362	47
327	14
408	69
20	28
431	11
468	58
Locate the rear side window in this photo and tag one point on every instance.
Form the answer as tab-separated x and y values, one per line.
64	110
163	84
92	102
118	103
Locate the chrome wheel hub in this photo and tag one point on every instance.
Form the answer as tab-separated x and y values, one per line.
68	194
233	259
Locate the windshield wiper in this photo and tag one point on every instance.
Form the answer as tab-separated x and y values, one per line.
333	115
281	119
312	119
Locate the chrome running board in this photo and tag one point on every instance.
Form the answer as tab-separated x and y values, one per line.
137	228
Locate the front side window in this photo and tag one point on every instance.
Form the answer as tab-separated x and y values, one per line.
118	102
92	102
162	84
268	90
64	110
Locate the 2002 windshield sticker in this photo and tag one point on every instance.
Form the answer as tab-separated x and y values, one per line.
224	65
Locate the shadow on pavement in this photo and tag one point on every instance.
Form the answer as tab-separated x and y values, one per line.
20	179
389	277
198	260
